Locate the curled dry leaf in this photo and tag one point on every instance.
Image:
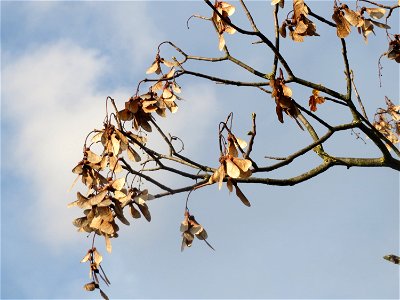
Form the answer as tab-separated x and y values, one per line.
191	228
283	100
155	66
354	18
241	196
376	12
103	295
226	10
314	100
91	286
282	30
342	25
387	122
392	258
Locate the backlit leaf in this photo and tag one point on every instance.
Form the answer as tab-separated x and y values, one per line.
242	197
231	169
376	12
118	184
98	198
134	212
108	243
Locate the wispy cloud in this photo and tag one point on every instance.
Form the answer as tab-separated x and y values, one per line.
52	98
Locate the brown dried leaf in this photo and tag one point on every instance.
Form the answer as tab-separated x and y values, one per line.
134	212
96	222
354	18
299	8
108	243
221	42
242	197
97	137
231	169
91	286
125	115
376	12
98	198
155	67
314	100
229	185
105	297
87	257
342	25
243	164
380	25
118	184
145	211
133	155
93	157
282	30
98	258
107	227
392	258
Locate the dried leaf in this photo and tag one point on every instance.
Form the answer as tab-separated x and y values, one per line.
145	211
342	25
243	164
134	212
282	30
120	214
87	257
169	64
231	169
91	286
299	8
98	258
97	137
242	197
108	243
221	42
103	295
354	18
155	67
98	198
106	227
376	12
380	25
229	185
314	100
125	115
392	258
118	184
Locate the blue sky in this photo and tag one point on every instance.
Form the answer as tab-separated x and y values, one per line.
322	239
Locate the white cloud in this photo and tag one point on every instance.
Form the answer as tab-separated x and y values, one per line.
51	95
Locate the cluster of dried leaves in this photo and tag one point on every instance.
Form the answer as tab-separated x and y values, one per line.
190	228
107	196
344	18
298	24
387	121
226	10
315	99
161	96
231	165
394	48
283	99
95	258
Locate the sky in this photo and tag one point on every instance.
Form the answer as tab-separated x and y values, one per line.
322	239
